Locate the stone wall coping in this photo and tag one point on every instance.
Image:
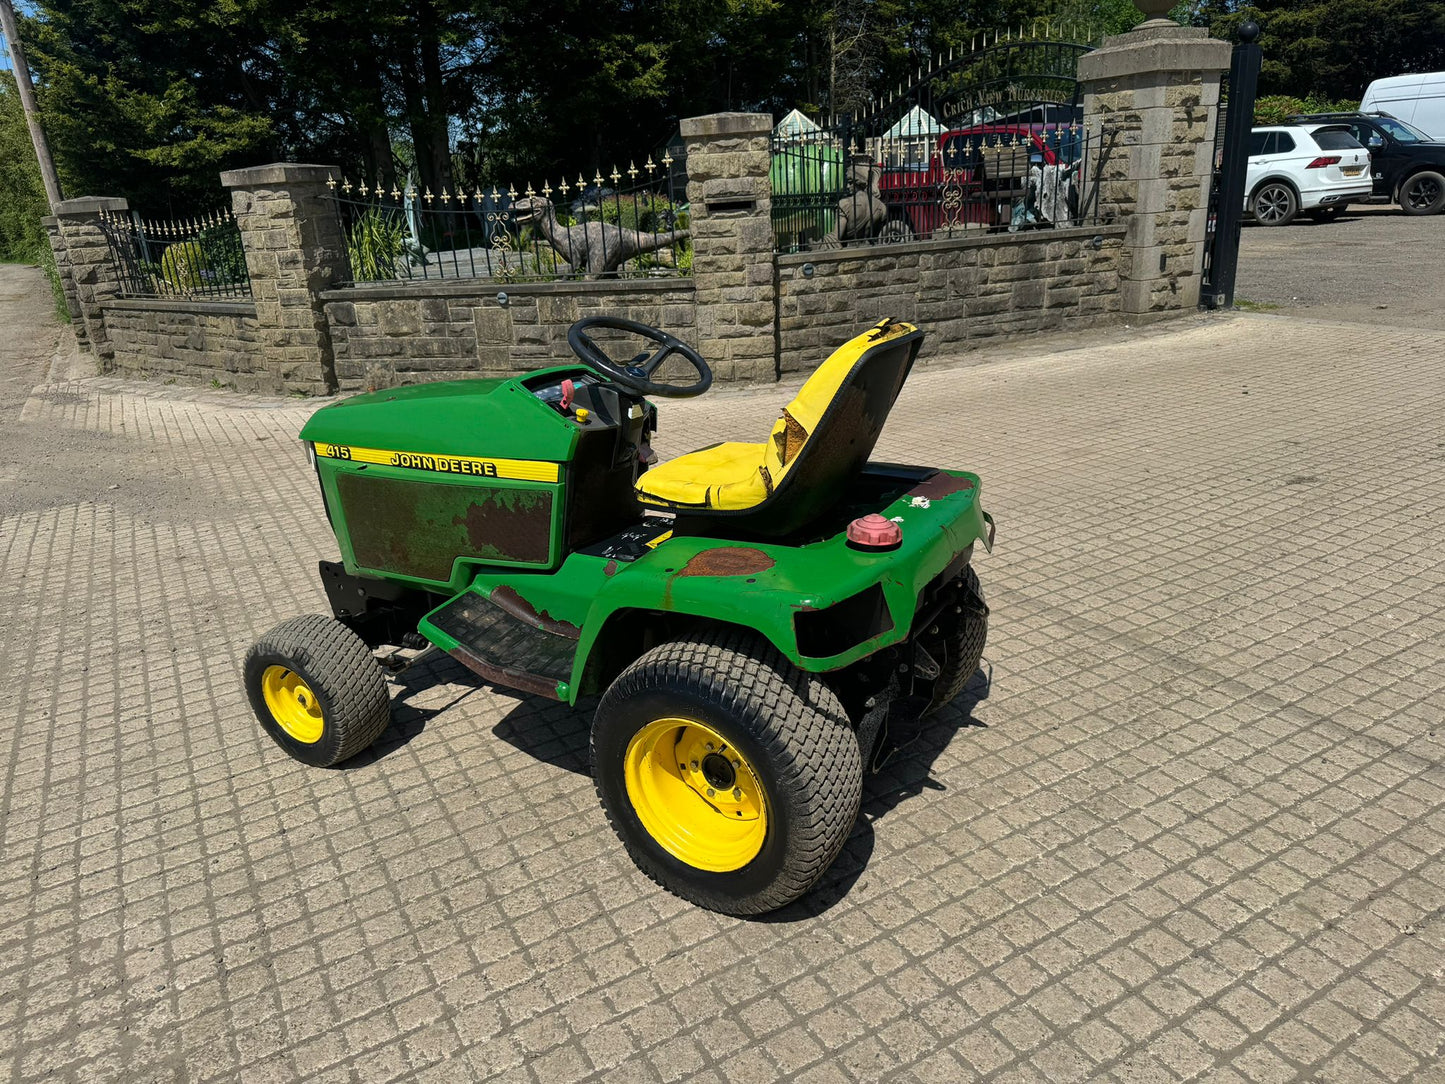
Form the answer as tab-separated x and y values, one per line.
49	220
487	290
277	173
89	205
194	307
1155	51
721	124
979	239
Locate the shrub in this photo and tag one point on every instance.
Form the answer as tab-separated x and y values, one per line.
224	254
183	266
1278	108
375	242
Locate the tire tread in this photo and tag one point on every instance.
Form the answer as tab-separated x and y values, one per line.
338	658
804	730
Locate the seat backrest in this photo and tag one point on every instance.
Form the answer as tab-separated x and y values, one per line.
828	431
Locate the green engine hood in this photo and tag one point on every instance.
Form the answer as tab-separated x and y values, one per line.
491	418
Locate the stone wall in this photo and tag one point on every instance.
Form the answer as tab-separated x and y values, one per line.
960	291
411	332
191	342
752	314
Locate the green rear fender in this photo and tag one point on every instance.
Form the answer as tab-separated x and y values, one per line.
824	605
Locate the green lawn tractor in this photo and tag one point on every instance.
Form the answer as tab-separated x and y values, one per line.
748	614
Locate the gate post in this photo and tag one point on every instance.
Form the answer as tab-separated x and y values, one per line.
94	277
732	239
1156	90
1229	196
294	250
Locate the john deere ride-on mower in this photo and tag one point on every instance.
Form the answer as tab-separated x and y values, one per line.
748	613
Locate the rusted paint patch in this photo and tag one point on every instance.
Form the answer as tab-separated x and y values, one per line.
610	568
509	524
941	484
508	599
727	561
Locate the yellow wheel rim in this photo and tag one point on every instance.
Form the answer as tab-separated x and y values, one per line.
695	794
292	704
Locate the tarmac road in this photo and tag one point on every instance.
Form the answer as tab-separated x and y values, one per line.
1375	265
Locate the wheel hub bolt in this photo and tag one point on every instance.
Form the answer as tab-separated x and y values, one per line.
737	794
711	793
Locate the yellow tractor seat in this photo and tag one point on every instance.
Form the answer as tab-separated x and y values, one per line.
820	443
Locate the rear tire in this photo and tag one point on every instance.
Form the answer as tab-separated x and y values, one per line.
1274	204
785	744
961	642
317	690
1423	193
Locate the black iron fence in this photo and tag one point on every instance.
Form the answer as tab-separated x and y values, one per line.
630	222
195	257
1033	168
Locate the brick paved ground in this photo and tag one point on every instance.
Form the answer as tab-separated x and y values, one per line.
1191	828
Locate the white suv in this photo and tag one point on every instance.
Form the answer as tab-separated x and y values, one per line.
1317	171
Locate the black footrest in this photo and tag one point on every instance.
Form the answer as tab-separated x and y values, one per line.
506	640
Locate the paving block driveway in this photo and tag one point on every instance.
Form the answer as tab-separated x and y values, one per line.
1190	826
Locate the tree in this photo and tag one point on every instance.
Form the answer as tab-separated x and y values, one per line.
22	196
1332	49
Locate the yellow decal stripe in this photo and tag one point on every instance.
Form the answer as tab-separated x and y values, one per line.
529	470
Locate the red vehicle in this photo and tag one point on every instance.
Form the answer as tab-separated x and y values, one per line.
972	178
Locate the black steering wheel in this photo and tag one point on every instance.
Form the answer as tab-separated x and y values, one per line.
636	375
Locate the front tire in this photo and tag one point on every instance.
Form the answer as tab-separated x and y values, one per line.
1274	204
317	690
1423	193
732	777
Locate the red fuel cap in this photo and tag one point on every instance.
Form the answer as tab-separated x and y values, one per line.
874	532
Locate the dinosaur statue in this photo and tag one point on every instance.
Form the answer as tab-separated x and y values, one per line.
599	247
861	212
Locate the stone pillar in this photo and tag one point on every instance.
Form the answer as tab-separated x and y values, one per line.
294	250
732	242
94	275
66	274
1157	89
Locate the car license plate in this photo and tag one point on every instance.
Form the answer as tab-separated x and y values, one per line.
1353	171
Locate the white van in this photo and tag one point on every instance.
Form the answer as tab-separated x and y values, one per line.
1415	99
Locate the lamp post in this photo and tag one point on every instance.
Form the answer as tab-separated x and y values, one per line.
27	102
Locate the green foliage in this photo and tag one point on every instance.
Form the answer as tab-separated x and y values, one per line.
1332	49
1278	108
151	98
22	195
225	255
182	267
375	242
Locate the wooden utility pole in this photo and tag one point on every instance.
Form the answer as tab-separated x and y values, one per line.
27	102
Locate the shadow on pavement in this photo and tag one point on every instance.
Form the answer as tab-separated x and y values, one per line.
557	734
902	770
407	719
